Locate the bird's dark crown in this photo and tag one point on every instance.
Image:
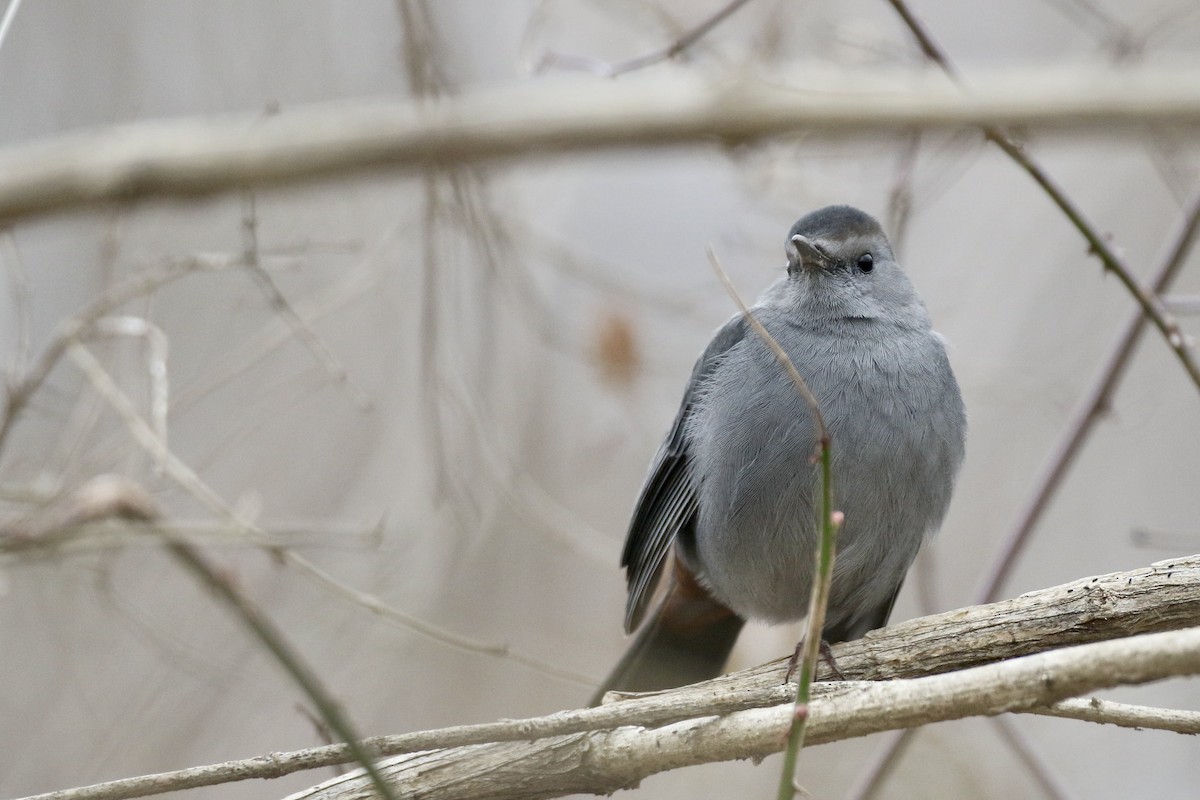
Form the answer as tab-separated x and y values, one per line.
836	223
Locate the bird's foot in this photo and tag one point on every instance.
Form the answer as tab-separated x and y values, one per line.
826	653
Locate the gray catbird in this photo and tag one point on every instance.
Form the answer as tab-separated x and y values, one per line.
728	511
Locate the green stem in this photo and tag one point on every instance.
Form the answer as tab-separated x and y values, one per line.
327	707
816	623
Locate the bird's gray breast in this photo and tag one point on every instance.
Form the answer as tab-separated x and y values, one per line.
897	426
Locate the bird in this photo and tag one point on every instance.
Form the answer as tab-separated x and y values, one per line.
726	518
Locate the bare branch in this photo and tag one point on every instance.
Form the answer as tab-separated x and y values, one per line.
273	335
1106	712
597	67
310	684
814	408
1042	773
70	330
19	281
1163	597
198	156
601	762
1097	401
279	303
187	478
44	534
1151	306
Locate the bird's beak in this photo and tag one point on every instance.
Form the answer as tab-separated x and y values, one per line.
803	253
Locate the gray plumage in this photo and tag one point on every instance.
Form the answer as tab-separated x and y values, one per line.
734	485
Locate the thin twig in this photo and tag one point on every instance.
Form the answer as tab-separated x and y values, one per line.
1097	401
20	292
780	354
256	347
890	754
322	731
597	67
16	543
76	327
428	81
524	494
1104	25
1151	306
883	761
156	362
1125	715
187	478
827	521
1025	752
900	196
10	14
280	304
327	707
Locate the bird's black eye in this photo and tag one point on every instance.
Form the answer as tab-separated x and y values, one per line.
866	262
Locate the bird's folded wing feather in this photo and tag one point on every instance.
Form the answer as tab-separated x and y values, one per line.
668	499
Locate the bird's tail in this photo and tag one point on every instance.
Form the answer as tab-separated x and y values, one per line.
686	639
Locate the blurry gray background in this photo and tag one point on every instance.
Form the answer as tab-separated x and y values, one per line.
522	333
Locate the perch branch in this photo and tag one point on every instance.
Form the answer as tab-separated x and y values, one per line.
1162	597
602	762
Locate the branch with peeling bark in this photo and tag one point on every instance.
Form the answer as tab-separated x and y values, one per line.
979	646
601	762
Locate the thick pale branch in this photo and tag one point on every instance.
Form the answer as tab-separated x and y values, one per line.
1162	597
602	762
192	156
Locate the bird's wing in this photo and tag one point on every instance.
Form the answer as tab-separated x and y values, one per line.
668	499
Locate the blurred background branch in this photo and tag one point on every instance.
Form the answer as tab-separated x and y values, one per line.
198	156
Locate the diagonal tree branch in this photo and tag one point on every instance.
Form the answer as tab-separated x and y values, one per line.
1097	401
682	43
1151	305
